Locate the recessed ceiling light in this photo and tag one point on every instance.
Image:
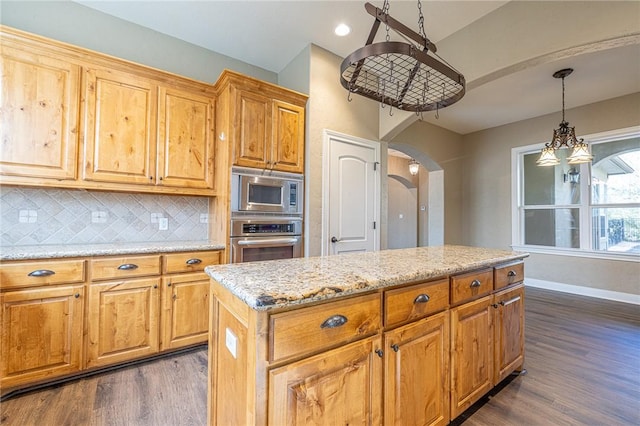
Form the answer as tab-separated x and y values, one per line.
342	30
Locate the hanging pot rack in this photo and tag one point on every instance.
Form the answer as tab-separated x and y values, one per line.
399	74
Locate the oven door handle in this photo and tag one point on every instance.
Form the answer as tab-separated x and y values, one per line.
262	241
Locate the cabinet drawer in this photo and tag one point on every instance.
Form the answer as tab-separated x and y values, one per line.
508	274
318	327
37	273
190	262
416	301
124	267
471	286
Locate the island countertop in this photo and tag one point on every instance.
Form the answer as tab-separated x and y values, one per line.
282	283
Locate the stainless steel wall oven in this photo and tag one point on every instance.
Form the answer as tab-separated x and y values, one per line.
265	238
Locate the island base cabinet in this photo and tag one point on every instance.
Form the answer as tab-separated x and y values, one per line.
417	373
471	353
509	332
41	334
341	386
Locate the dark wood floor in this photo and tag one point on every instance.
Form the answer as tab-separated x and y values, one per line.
583	368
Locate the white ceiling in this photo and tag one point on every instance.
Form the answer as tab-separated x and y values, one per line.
269	34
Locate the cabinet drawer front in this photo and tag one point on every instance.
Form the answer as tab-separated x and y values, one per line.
471	286
38	273
312	329
508	274
190	262
123	267
416	301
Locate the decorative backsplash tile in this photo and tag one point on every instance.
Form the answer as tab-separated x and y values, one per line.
62	216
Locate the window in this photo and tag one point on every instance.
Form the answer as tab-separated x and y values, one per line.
583	208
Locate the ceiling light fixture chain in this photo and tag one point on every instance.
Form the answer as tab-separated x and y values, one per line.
401	74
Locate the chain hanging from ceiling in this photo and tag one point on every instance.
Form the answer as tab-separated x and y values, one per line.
408	76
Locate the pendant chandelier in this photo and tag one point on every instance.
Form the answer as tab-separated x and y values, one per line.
564	136
408	76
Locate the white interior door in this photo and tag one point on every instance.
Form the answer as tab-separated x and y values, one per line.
351	203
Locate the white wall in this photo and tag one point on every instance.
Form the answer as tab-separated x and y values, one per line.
486	201
85	27
328	108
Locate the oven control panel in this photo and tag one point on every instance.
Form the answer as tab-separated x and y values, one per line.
268	228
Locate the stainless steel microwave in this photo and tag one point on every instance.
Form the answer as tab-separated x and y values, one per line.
276	193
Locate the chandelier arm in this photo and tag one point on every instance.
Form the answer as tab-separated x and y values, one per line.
400	27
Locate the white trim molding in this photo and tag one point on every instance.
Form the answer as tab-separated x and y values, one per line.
584	291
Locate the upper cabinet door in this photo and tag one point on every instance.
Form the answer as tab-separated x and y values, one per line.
252	146
185	139
39	110
288	137
120	136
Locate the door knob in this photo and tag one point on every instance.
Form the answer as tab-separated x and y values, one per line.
334	240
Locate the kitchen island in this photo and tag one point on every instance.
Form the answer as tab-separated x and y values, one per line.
412	336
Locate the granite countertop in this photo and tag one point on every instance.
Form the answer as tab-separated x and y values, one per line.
79	250
281	283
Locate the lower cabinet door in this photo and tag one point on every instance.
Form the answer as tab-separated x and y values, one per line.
471	353
338	387
417	373
123	320
509	332
41	334
185	310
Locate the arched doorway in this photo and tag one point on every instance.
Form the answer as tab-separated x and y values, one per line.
429	184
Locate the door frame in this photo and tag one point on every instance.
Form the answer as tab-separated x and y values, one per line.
327	137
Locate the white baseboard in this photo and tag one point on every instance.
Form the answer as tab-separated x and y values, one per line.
584	291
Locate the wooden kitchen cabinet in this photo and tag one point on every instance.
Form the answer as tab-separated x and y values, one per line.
340	386
185	298
416	375
185	139
41	334
123	320
508	324
120	128
41	320
39	108
264	123
185	310
139	131
471	353
74	118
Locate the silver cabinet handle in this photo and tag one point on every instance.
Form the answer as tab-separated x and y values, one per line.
511	273
193	261
128	267
334	321
41	273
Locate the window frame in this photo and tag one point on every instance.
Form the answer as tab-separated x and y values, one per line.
585	207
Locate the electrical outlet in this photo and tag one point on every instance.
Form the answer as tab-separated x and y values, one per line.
99	217
163	223
27	216
231	342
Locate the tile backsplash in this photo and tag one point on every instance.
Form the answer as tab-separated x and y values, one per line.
31	216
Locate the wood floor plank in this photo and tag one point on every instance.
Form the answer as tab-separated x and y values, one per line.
582	361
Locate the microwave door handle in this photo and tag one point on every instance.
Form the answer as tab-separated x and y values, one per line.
262	241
